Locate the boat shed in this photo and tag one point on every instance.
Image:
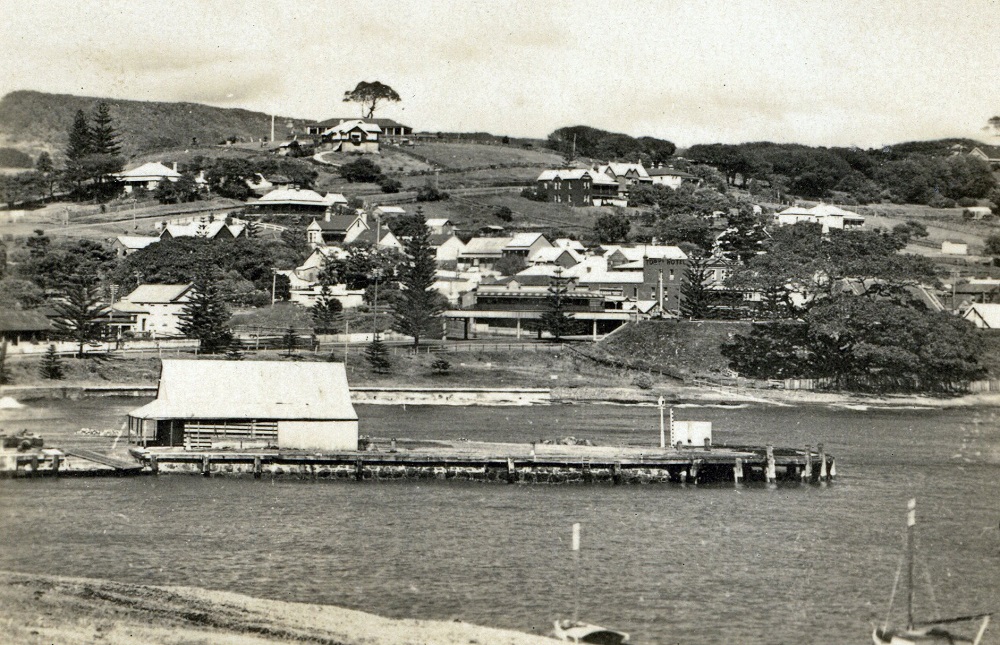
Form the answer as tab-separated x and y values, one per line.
216	404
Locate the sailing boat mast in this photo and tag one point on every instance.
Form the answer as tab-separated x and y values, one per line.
911	521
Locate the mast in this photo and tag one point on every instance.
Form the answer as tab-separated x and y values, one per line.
576	567
911	521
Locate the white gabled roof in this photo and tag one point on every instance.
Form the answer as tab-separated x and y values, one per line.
566	243
524	240
620	169
985	316
202	229
136	241
157	293
552	253
299	196
573	174
347	126
437	222
220	389
485	246
150	171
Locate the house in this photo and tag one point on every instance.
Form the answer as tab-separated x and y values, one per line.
157	307
447	247
336	229
556	256
827	215
31	325
525	245
989	154
219	404
129	244
307	296
984	316
573	245
640	273
263	185
294	201
482	252
671	177
578	187
626	175
147	176
977	212
353	136
387	239
954	248
388	128
211	230
985	290
440	226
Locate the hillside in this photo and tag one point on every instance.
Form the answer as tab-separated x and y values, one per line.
35	121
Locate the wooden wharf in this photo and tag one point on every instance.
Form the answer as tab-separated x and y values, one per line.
511	463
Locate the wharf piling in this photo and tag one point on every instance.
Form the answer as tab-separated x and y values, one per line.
485	463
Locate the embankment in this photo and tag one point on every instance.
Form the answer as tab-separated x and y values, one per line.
77	611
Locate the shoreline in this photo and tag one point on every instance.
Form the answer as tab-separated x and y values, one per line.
691	395
43	609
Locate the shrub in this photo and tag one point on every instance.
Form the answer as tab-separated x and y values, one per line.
361	170
966	202
429	193
940	201
440	365
504	214
533	195
643	382
390	185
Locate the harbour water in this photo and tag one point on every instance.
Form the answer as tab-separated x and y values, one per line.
670	564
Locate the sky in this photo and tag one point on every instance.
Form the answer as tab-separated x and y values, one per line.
853	72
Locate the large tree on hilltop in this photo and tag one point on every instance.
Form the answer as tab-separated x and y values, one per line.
369	95
417	311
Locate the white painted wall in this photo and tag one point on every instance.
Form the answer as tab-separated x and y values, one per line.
318	435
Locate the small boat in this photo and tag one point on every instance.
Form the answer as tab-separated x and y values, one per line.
923	632
576	631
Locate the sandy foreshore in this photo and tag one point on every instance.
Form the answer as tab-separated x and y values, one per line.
40	609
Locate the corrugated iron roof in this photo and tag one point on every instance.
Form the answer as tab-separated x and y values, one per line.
23	320
157	293
214	389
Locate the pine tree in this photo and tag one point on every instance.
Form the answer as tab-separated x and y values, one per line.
555	319
103	138
79	311
250	229
377	355
79	138
694	294
326	312
51	366
418	308
206	317
235	350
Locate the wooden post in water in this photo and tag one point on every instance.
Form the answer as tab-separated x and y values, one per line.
257	467
359	469
738	471
206	466
154	465
807	471
694	470
833	467
616	472
770	473
823	473
55	465
511	471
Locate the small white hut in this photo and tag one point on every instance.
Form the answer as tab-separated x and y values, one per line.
212	404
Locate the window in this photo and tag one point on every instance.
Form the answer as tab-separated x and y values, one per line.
671	274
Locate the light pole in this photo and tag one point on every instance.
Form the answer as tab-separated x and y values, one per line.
376	275
663	436
274	284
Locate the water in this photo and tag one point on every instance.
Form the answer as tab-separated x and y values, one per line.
669	564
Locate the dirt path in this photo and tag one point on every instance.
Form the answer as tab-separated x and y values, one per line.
47	609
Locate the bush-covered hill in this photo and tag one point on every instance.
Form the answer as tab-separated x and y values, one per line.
35	121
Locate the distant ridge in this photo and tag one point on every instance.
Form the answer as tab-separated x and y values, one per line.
35	121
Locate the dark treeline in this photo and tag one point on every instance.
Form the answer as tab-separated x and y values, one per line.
937	173
583	141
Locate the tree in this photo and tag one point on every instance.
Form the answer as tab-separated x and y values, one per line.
250	228
369	95
556	319
694	294
78	312
510	265
744	238
51	366
440	365
205	317
377	355
79	139
47	173
361	170
290	341
327	312
20	294
682	228
418	308
103	137
993	245
430	193
612	227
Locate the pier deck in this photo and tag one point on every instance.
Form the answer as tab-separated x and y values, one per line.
509	462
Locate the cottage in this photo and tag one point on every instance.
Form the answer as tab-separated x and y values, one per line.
386	239
447	247
440	226
389	211
29	325
336	229
626	175
671	177
482	252
525	245
290	406
147	176
129	244
294	201
389	128
954	248
210	230
556	256
353	136
157	307
827	215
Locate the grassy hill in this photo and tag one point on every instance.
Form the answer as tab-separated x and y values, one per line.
36	121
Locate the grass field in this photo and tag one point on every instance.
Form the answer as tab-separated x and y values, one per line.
474	155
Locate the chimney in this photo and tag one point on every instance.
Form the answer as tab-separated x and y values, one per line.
326	217
175	166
